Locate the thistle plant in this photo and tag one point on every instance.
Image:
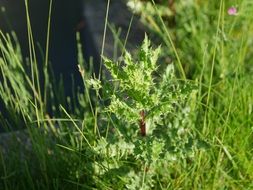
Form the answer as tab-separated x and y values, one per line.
152	117
142	96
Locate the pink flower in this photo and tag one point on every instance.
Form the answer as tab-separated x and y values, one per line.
232	11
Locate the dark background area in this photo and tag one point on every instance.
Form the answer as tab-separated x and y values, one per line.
66	20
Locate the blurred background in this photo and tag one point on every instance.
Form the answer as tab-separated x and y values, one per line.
66	20
68	17
84	16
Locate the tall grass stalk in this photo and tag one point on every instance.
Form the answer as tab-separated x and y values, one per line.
170	43
46	80
34	67
221	9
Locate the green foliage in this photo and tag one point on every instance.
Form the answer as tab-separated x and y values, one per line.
214	50
198	133
138	87
14	87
